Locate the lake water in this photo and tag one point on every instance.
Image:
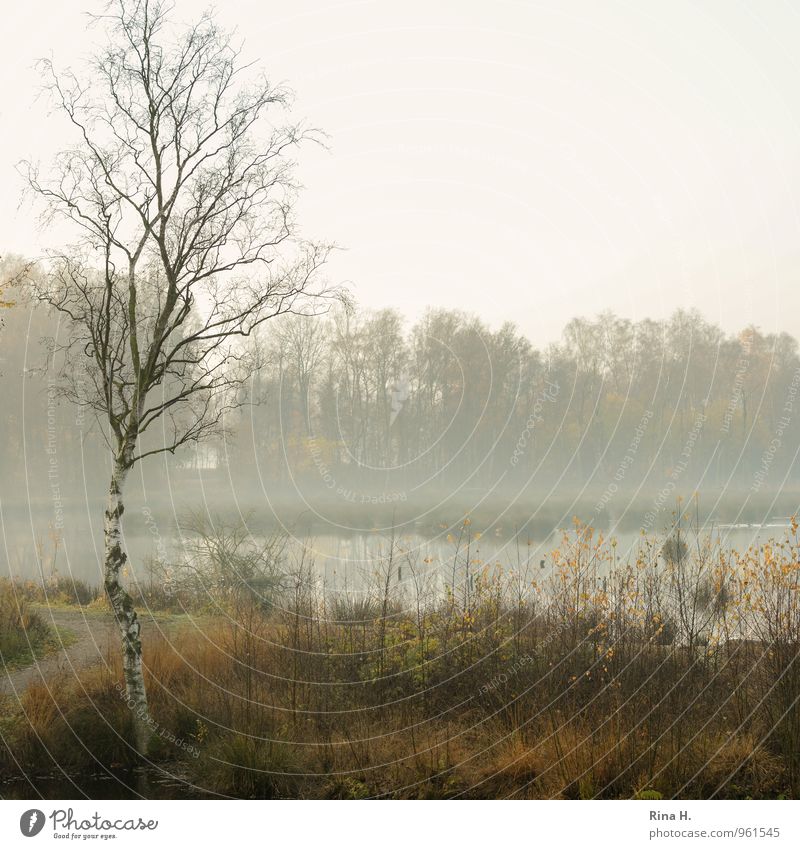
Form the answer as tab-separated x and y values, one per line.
33	544
149	783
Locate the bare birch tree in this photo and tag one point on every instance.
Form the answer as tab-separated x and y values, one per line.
180	184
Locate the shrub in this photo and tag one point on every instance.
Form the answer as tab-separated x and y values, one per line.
23	633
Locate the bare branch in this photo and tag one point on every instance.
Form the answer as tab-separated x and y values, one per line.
181	189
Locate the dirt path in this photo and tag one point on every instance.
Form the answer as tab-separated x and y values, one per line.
91	635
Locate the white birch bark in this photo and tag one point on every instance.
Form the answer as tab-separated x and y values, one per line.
124	613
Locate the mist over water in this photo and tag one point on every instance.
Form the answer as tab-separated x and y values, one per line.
358	427
344	560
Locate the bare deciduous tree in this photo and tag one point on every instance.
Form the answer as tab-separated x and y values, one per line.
181	186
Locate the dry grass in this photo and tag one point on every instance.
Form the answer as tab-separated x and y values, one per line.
642	684
24	635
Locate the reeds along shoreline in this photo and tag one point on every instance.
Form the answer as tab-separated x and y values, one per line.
674	673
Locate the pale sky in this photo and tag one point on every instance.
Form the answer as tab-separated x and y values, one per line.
525	161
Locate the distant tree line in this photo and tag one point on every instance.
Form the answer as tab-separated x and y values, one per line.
363	404
361	399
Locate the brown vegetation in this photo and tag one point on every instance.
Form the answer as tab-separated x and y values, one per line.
674	674
23	633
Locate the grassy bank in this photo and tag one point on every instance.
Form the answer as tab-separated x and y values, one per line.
675	674
428	510
24	634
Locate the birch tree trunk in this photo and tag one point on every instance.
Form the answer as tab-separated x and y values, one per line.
176	166
124	613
